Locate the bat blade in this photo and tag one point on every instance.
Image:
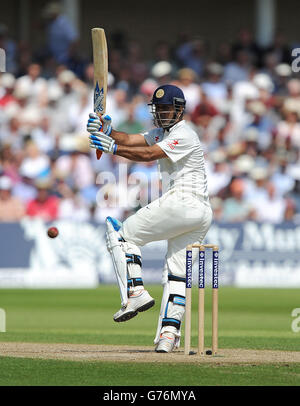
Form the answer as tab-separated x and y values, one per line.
100	57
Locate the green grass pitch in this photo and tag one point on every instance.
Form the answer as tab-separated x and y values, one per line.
248	318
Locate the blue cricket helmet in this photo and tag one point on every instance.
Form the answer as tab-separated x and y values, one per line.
167	95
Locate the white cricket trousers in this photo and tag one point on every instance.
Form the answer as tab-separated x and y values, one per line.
182	220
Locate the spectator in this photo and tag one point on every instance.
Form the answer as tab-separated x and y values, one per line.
61	35
9	162
213	86
137	66
242	92
192	54
294	196
265	86
11	133
26	110
7	89
217	208
36	85
247	45
162	72
246	115
239	69
259	121
288	129
141	108
35	164
161	52
75	167
42	136
282	75
218	173
281	179
118	107
280	48
270	208
270	62
145	176
11	208
10	48
111	202
25	189
187	79
242	166
236	209
293	88
72	205
131	125
223	53
290	212
203	113
79	111
45	205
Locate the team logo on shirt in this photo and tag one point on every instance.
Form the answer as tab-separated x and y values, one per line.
157	138
173	144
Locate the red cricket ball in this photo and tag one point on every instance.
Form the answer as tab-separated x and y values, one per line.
52	232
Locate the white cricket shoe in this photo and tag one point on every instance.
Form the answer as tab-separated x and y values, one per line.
138	301
167	342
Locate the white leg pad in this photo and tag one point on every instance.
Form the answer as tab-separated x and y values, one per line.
170	309
115	248
164	301
124	266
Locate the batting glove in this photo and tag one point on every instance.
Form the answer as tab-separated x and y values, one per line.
95	124
103	142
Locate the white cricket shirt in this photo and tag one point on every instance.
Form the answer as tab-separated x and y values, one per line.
184	169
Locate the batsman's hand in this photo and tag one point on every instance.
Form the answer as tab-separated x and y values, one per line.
103	143
95	124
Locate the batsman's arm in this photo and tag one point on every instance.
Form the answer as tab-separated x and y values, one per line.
128	140
141	153
96	124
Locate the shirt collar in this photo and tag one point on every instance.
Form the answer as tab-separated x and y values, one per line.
179	124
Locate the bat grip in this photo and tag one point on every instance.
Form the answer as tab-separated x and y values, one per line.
98	152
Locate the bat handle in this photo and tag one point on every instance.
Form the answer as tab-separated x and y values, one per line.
98	152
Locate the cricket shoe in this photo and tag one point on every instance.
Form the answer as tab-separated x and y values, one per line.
138	301
166	343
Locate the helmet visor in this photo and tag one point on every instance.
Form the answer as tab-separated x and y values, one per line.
166	115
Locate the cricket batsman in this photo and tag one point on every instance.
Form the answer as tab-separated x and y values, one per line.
182	215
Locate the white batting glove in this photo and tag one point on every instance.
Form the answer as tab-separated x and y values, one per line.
103	142
95	124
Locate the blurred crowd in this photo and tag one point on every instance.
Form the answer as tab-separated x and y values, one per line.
243	101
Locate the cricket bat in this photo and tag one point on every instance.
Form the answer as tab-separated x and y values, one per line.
100	73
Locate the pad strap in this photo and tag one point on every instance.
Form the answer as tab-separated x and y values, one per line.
171	322
134	259
135	282
177	299
167	321
175	278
